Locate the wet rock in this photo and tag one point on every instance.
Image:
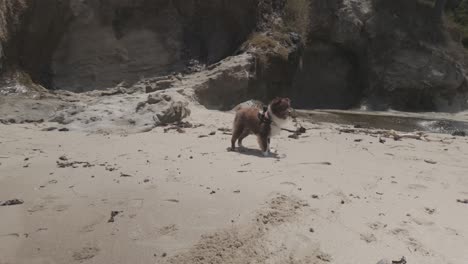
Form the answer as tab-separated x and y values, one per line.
459	133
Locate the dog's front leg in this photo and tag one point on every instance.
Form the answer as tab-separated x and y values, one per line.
264	146
268	145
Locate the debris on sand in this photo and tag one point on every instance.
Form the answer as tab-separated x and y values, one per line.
11	202
179	126
175	113
124	175
326	163
464	201
430	161
64	163
113	215
324	257
299	131
401	261
226	131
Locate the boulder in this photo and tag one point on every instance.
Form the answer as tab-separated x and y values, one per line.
159	85
227	84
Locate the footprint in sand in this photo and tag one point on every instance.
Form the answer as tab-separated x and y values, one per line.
136	203
429	211
135	233
421	221
413	244
85	254
417	187
167	230
288	183
368	238
452	231
37	208
61	207
376	225
89	228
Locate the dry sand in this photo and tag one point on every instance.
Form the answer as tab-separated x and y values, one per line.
180	198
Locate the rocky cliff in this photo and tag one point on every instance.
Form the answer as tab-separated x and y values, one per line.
322	53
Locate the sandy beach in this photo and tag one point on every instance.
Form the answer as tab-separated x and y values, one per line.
156	197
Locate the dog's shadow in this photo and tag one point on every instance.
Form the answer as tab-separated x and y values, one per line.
253	152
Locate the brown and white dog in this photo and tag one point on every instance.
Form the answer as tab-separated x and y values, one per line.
263	125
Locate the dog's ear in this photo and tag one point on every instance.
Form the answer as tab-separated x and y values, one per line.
276	100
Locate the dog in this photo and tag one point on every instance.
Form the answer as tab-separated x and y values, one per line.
264	125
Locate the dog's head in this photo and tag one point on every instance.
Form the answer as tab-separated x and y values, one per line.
281	107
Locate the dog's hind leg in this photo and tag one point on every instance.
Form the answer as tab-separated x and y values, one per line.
236	134
244	134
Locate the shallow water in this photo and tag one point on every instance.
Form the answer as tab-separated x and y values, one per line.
400	121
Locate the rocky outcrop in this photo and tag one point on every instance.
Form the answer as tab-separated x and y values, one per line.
86	45
1	58
414	66
322	53
385	54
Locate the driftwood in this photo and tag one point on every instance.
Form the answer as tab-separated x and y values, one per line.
388	134
397	136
